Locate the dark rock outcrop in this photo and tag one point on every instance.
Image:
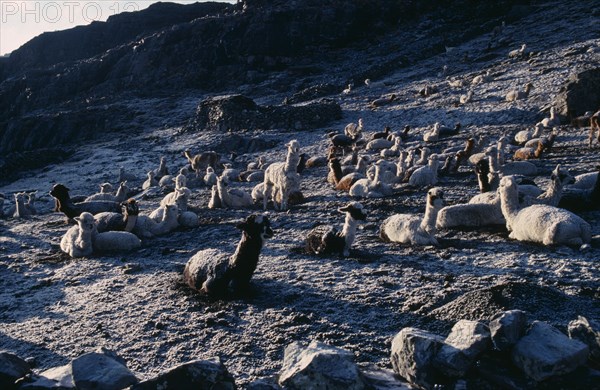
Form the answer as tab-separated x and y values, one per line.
12	368
581	93
197	374
237	112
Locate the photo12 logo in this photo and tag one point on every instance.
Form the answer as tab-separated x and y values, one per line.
62	11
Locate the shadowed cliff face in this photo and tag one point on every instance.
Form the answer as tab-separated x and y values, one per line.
212	47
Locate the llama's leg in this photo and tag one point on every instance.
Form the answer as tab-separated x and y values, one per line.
284	198
268	189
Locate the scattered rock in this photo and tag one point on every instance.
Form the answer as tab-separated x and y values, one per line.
580	329
466	341
12	368
544	352
197	374
319	366
413	352
507	328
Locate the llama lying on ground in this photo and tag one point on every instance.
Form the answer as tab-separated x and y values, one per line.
281	178
340	181
411	229
427	175
124	221
519	95
83	239
162	169
214	272
234	198
541	223
64	204
146	227
326	239
106	195
525	135
582	200
150	181
551	121
376	188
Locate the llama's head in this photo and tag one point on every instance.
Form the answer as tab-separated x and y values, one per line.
293	146
151	175
256	226
435	197
562	177
85	221
106	188
130	207
19	197
60	192
355	209
508	183
482	167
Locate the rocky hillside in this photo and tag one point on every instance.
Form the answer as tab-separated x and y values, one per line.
97	114
53	84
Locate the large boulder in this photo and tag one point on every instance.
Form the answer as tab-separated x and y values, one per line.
413	353
100	370
507	328
238	112
12	368
197	374
319	366
466	341
544	352
580	93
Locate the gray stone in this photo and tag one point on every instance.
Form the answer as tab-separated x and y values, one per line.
580	329
262	384
12	368
98	371
544	352
466	341
319	366
384	379
507	328
413	352
197	374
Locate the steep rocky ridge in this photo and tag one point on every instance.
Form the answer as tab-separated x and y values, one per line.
281	45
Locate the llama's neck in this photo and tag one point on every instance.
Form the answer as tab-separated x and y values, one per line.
130	221
553	193
484	182
377	179
247	252
84	239
20	209
500	152
349	231
537	132
509	202
337	172
428	222
494	164
223	194
291	161
434	166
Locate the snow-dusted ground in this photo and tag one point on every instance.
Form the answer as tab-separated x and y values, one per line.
54	308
